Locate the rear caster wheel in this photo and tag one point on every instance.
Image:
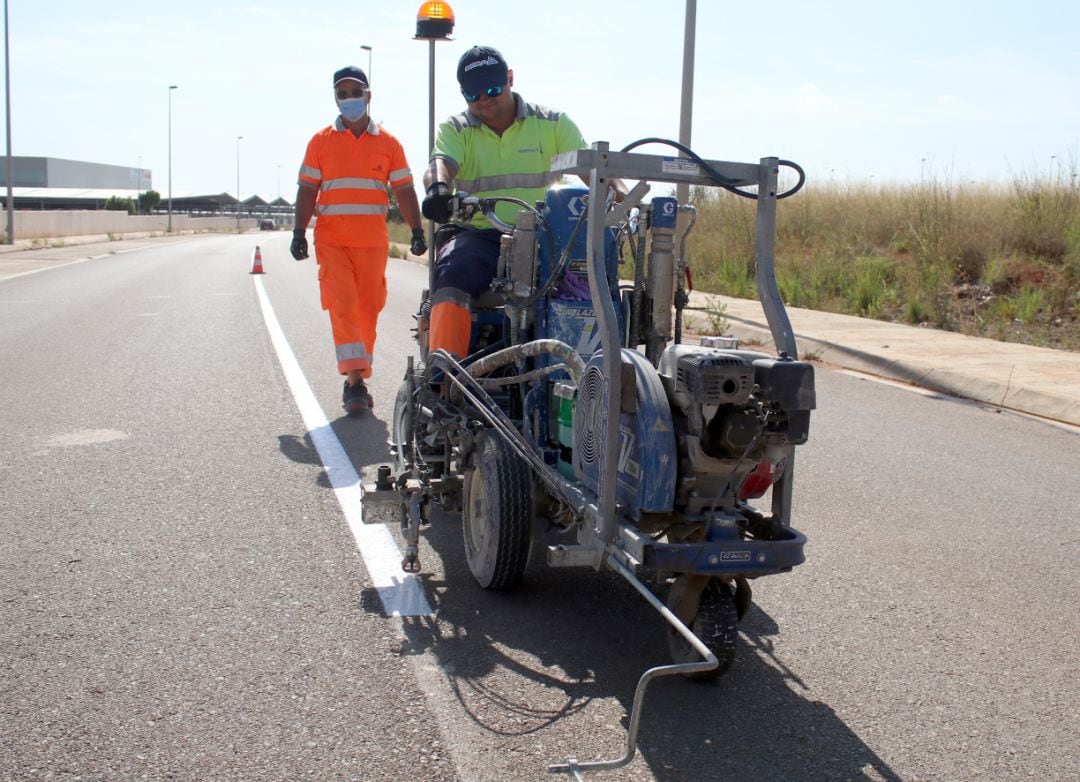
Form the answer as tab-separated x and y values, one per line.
715	623
402	434
497	514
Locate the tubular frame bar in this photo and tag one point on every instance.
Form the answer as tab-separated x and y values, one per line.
610	342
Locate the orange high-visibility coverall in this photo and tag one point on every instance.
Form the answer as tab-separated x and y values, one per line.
351	242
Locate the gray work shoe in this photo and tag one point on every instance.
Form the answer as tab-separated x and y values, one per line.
356	399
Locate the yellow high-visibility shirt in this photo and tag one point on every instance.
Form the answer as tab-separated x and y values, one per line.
516	164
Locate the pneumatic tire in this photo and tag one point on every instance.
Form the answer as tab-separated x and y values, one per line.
497	514
402	428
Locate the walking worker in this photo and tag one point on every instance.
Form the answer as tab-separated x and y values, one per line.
343	180
500	146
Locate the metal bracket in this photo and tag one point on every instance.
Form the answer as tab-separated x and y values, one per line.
410	530
573	556
630	200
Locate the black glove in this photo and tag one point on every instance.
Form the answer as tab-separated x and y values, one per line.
418	246
298	248
437	203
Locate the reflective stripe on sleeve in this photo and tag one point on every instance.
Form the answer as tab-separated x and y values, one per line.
311	173
400	173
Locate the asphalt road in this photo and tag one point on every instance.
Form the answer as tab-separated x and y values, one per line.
182	596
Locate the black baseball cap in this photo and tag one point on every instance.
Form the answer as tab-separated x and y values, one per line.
479	68
350	72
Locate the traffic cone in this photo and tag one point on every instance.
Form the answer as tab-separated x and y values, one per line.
256	262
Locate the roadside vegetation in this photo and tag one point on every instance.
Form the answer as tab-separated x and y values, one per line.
997	261
993	261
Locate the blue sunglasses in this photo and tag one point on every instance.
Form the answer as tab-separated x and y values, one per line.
491	92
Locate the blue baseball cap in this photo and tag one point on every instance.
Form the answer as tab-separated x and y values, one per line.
479	68
350	72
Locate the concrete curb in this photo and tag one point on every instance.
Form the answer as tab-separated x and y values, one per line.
1032	380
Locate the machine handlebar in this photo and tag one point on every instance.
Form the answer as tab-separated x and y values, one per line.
465	207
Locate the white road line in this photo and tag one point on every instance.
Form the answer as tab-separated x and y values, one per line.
82	260
402	594
44	269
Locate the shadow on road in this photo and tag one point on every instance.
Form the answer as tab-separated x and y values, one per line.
523	661
363	438
519	662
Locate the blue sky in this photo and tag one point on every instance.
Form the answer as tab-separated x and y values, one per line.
854	91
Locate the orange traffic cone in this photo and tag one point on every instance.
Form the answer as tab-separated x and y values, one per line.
256	262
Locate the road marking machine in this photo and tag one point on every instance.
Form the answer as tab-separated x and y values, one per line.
587	410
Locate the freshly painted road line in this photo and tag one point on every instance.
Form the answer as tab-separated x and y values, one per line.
402	594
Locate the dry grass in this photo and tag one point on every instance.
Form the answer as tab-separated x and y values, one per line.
1002	262
399	231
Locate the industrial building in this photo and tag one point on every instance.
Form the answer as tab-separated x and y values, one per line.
56	183
40	183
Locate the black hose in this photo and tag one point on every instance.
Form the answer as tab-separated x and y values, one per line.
728	184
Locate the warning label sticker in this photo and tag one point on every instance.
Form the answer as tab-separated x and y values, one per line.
678	165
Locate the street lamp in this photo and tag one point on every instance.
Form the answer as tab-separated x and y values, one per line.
367	49
238	139
171	88
7	99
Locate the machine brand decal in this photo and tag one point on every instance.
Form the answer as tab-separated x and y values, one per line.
576	205
589	342
626	449
735	556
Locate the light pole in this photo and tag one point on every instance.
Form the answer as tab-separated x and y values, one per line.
279	181
367	49
7	98
171	88
238	139
686	105
434	22
138	190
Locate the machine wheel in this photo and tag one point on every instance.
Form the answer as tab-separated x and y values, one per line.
716	624
403	427
497	514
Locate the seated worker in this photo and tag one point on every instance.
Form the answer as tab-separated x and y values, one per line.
500	146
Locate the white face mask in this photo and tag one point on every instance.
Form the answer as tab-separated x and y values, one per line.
352	109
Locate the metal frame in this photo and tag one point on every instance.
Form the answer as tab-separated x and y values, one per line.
599	165
604	538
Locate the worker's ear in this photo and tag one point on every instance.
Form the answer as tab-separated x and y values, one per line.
510	77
